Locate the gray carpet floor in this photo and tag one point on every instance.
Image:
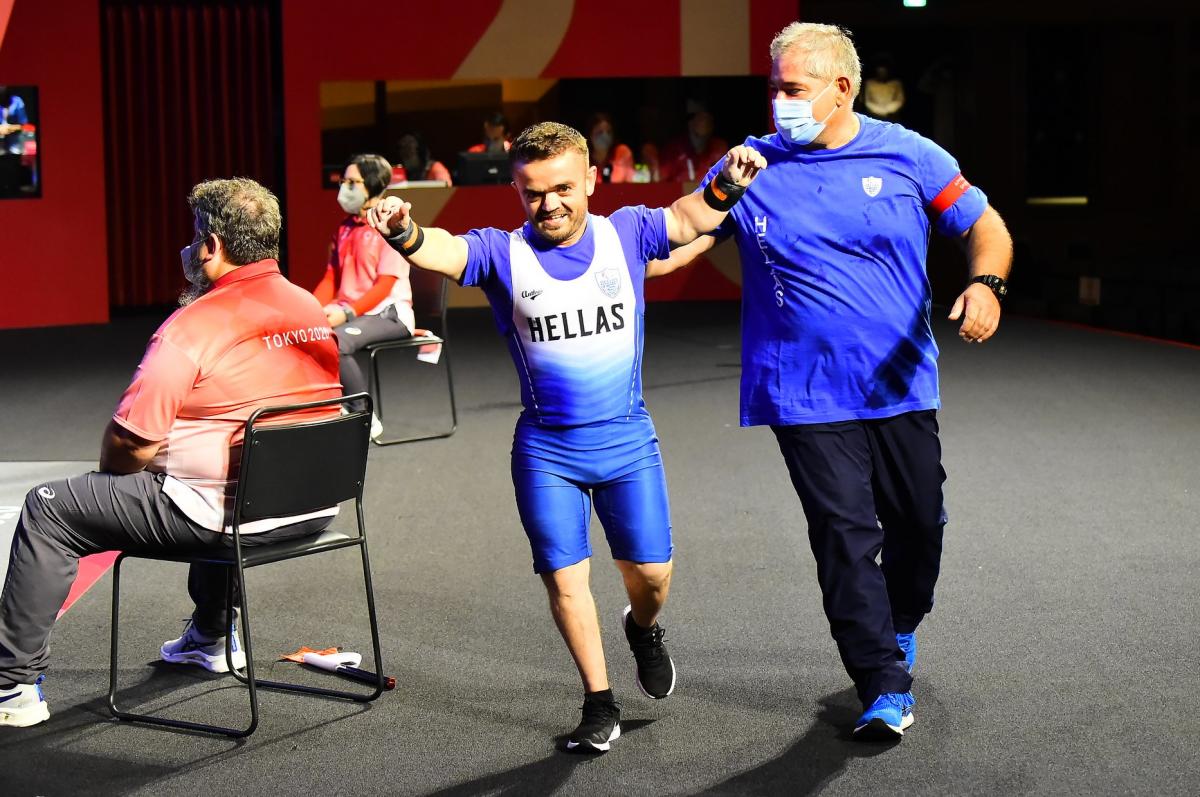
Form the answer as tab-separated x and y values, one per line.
1063	656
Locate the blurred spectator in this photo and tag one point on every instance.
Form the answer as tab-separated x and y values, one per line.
495	135
613	161
883	95
365	291
689	156
416	161
12	118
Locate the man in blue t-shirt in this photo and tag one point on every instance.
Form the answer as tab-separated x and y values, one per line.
838	355
566	290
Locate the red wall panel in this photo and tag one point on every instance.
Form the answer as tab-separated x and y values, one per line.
619	38
52	263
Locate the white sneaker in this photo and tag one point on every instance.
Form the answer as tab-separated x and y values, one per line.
23	705
376	427
192	648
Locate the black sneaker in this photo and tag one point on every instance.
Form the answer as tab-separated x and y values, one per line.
655	670
599	728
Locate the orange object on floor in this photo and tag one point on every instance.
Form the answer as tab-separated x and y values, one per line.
298	656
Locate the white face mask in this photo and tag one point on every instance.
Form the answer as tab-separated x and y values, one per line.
352	197
794	119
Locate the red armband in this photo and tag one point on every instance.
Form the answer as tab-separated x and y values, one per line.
950	194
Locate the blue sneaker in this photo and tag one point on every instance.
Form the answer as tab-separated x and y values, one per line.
23	705
195	648
886	719
908	645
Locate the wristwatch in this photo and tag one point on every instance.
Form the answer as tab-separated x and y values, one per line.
998	285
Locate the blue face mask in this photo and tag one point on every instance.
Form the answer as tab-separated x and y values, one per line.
794	119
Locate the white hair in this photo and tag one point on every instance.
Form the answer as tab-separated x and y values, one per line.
828	51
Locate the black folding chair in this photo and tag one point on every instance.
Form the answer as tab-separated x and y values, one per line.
287	469
429	291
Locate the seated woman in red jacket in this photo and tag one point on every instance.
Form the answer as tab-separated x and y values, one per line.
365	290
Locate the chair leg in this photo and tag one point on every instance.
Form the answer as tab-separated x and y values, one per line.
114	636
450	390
129	716
254	683
374	387
371	616
377	397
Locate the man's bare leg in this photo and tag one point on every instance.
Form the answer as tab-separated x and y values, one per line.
574	613
648	584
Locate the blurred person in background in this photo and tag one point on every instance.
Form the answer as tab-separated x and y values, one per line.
883	94
495	136
687	157
365	290
613	161
416	161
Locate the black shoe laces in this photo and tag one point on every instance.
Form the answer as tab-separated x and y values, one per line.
649	648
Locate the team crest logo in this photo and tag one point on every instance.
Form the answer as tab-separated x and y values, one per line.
871	185
609	281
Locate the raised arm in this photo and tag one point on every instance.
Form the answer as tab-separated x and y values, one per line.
989	251
430	248
680	257
691	216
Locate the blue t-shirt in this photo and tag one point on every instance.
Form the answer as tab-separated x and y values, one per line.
835	298
572	316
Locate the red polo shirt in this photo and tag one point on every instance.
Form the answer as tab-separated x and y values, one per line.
253	340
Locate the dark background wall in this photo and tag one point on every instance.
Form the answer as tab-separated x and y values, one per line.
1062	99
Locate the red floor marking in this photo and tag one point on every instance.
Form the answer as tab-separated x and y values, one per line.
91	568
1119	333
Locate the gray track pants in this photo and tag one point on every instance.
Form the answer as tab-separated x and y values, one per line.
69	518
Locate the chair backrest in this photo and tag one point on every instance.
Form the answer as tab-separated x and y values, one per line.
294	468
429	291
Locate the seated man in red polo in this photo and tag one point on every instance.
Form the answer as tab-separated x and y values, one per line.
245	338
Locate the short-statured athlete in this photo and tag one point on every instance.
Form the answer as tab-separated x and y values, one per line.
566	290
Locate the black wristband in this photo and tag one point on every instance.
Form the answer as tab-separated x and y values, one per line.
408	241
403	237
721	194
414	240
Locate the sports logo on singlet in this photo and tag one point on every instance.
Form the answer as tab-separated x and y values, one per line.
609	281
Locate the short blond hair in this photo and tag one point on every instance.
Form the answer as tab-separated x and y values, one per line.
829	51
546	140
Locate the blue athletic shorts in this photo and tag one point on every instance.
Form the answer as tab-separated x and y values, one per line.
558	472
